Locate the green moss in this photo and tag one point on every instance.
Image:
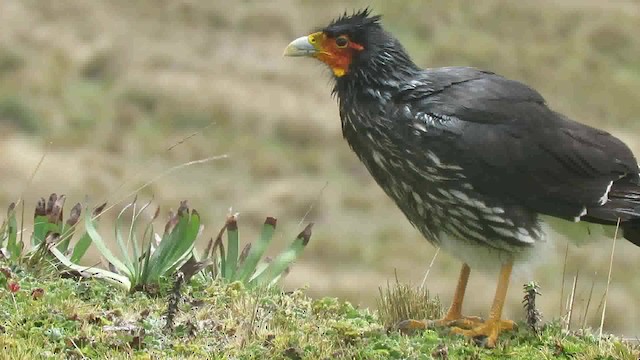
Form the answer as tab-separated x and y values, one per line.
93	319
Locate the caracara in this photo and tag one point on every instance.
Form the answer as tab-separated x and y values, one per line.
471	158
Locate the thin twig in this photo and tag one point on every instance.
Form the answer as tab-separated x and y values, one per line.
311	206
146	167
163	174
606	291
572	299
77	348
21	198
33	176
586	309
426	273
22	227
184	139
313	203
564	271
600	303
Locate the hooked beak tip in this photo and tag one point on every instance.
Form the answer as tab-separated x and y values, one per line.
300	47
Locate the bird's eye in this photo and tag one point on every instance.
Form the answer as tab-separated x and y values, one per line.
341	42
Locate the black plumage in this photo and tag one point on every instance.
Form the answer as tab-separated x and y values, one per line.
457	130
471	158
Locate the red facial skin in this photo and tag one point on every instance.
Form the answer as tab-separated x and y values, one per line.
337	57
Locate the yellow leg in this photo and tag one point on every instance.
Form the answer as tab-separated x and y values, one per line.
455	310
492	327
454	315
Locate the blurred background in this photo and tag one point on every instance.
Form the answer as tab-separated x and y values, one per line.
110	92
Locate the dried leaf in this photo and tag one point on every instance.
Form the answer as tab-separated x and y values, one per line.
55	215
244	254
171	223
52	238
74	215
41	208
156	214
211	246
306	234
232	223
192	267
271	221
37	293
6	272
52	200
98	210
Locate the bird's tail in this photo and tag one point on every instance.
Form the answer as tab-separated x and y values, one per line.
629	194
631	231
623	205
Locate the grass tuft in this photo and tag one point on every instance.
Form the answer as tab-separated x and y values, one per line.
400	302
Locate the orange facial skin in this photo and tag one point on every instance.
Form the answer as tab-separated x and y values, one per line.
337	52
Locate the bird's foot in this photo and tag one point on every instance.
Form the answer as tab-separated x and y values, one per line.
458	321
488	330
410	326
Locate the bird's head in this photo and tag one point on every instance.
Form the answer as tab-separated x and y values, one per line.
346	43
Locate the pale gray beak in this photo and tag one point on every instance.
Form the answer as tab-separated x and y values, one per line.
300	47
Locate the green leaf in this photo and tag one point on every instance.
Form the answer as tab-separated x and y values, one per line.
67	229
144	253
112	277
41	227
211	251
272	272
81	248
175	245
138	252
83	244
223	257
14	247
144	262
232	248
66	233
189	239
248	267
66	236
118	233
102	247
3	232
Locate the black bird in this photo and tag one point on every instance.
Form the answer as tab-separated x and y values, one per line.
471	158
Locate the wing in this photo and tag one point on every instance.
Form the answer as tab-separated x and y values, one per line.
510	145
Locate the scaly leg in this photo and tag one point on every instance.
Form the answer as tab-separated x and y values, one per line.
454	315
492	327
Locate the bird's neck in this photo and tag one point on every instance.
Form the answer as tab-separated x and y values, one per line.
376	76
364	96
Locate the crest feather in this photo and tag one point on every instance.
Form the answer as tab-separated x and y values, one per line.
354	22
